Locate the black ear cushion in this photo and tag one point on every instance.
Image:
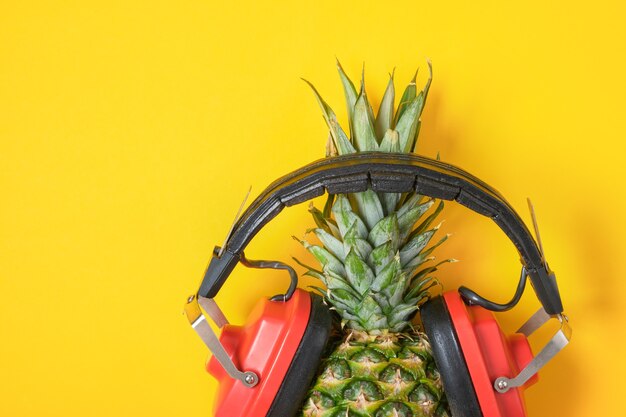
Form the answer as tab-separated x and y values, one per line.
457	383
303	368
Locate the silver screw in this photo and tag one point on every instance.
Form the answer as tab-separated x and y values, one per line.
249	379
502	384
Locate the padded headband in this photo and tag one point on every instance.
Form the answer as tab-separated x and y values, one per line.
384	172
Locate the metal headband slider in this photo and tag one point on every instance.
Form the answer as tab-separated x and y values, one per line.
216	273
547	289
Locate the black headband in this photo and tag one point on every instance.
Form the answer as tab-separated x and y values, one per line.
384	172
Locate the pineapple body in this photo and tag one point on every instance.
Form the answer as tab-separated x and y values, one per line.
385	375
376	264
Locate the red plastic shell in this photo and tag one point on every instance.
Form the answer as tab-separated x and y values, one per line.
266	344
490	354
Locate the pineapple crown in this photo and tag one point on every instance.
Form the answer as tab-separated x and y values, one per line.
374	254
389	132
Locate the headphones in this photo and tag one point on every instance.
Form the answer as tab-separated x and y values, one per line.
266	366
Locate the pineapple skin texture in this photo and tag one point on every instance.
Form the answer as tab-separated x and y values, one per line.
385	375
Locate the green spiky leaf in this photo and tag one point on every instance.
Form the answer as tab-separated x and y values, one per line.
330	242
302	264
407	124
344	146
386	230
429	220
384	118
315	274
330	200
416	135
363	125
321	291
400	314
387	276
381	256
414	246
343	299
398	289
348	90
334	281
407	220
328	261
351	241
390	143
428	82
340	140
370	313
359	274
346	218
424	256
407	97
318	217
368	204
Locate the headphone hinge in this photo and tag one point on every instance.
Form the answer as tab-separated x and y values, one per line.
199	323
560	339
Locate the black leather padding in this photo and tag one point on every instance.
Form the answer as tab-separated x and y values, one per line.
457	383
305	363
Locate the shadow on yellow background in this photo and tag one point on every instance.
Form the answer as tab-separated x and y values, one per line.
129	133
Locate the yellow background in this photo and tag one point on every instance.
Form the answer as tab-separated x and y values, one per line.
130	132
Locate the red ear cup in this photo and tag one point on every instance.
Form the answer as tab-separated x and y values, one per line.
457	382
282	342
487	354
305	363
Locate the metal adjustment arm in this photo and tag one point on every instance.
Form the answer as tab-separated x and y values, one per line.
201	326
554	346
541	317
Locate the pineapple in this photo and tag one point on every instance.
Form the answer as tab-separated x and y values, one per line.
376	264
